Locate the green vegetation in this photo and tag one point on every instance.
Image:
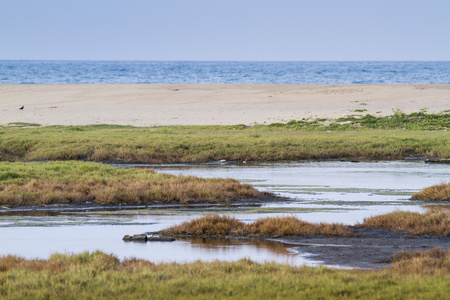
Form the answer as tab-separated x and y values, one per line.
80	182
296	140
100	276
399	120
434	222
23	124
435	193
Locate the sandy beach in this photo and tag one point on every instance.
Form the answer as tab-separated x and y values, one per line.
210	104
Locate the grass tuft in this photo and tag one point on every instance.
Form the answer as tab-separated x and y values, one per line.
435	222
208	225
435	193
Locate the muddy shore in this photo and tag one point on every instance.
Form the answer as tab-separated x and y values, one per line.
372	251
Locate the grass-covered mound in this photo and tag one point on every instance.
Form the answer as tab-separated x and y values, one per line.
79	182
215	225
435	222
179	144
435	193
101	276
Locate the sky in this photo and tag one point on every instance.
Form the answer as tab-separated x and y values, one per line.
230	30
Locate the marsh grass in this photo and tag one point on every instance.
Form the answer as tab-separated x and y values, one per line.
435	222
98	275
79	182
436	193
422	262
215	225
181	144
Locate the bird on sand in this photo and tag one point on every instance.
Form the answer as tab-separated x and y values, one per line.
21	107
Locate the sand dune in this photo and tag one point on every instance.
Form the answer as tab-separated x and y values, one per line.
198	104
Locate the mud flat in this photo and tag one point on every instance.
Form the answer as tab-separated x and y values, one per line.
372	251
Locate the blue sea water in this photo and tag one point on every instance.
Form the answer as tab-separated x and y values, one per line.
179	72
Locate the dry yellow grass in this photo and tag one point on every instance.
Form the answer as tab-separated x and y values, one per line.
435	193
80	182
123	191
434	222
215	225
208	225
291	226
422	262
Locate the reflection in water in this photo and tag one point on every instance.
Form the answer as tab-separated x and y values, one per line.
209	249
41	242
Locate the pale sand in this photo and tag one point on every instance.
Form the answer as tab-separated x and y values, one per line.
208	104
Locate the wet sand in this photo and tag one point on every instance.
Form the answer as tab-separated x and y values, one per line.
210	104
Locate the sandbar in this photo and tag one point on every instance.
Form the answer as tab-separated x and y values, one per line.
210	104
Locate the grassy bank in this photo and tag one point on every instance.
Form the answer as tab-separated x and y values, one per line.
98	275
80	182
274	142
435	222
435	193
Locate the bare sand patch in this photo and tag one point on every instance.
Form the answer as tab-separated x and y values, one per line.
210	104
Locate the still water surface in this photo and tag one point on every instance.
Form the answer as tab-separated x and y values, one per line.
330	191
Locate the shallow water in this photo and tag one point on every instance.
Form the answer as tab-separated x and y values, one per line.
328	191
331	191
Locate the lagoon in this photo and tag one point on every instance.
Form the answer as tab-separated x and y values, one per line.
319	191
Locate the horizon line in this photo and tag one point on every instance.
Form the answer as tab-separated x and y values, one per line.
184	60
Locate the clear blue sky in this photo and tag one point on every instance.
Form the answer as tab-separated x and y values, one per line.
225	30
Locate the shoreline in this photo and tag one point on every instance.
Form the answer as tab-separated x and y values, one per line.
145	105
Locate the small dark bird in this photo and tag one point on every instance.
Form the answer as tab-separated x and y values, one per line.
21	108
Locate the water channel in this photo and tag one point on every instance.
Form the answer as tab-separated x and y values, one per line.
328	191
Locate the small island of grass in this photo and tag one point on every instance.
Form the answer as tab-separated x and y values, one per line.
433	222
215	225
75	182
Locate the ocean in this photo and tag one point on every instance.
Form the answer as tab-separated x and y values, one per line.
182	72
